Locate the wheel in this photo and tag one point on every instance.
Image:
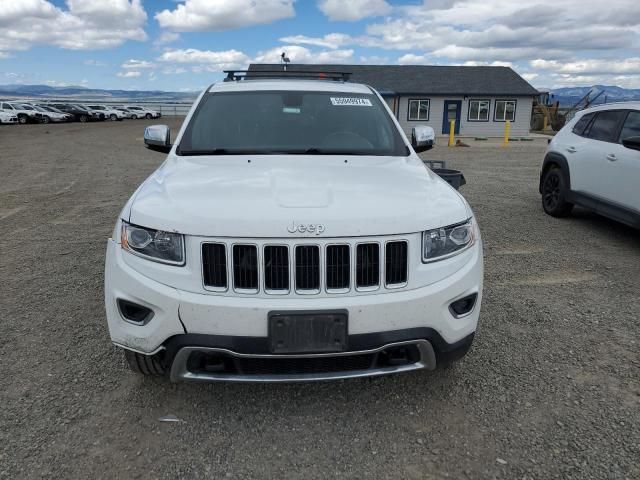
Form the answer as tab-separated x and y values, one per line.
84	118
148	365
554	193
134	117
148	116
113	117
45	119
23	119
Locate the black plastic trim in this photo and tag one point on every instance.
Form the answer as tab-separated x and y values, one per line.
606	208
445	352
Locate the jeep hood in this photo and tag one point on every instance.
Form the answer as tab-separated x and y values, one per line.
234	196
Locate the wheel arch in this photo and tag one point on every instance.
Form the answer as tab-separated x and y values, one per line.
552	159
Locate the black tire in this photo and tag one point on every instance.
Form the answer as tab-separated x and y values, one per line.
45	119
134	117
148	365
113	117
554	193
148	116
23	119
83	119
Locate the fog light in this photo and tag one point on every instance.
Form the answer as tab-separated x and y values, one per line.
463	306
134	313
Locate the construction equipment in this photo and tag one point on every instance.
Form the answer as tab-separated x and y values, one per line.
545	114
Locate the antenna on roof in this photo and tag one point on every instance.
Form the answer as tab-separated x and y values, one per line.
284	60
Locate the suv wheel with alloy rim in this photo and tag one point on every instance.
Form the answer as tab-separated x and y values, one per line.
554	193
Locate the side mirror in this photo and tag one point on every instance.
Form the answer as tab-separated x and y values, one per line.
422	138
631	142
158	138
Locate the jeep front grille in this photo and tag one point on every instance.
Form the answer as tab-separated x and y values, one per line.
303	269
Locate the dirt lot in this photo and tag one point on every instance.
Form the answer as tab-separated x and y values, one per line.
551	388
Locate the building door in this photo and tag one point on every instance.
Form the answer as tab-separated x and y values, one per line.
452	111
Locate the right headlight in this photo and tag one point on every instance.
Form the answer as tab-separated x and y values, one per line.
441	243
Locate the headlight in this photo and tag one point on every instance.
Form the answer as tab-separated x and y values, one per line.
164	247
445	242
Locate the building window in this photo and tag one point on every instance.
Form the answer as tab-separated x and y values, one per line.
479	110
418	110
505	110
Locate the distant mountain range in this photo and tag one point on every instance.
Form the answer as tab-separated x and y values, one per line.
570	95
46	91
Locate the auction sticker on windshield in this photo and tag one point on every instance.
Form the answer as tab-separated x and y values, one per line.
351	101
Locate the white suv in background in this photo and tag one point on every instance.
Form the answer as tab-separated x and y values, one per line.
142	112
25	113
296	236
594	162
109	113
6	117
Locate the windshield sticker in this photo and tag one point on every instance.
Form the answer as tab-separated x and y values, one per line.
351	101
290	110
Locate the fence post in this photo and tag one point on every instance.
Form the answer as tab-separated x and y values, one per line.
452	131
507	128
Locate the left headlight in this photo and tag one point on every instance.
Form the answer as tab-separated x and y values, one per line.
441	243
164	247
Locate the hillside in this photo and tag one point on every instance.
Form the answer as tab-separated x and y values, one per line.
46	91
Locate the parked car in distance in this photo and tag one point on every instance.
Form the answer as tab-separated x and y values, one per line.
126	112
49	108
262	249
594	162
8	118
108	112
96	114
25	113
79	114
51	116
142	112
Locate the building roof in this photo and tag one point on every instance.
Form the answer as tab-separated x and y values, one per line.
424	79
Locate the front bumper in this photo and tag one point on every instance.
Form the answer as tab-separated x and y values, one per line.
236	327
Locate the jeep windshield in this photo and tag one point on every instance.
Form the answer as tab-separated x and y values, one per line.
291	122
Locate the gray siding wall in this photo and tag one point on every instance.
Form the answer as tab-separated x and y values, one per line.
520	127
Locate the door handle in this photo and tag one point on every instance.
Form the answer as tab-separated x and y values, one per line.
611	157
571	149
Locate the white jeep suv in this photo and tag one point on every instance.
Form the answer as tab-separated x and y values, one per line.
594	162
142	112
292	234
108	112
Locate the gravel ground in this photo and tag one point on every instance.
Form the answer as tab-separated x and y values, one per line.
551	388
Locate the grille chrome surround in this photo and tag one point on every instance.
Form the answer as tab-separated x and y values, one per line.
396	256
332	265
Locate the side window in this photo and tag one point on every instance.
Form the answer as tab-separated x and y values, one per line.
582	124
479	110
418	110
631	127
606	126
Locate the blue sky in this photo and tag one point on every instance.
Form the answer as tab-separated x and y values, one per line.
183	45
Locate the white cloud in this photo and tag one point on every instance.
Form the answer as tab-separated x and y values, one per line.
217	15
165	38
353	10
298	54
129	74
94	63
85	24
613	66
331	40
206	60
137	64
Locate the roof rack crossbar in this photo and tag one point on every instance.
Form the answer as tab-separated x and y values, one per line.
238	75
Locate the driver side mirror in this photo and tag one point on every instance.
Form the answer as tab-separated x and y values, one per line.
422	138
158	138
631	142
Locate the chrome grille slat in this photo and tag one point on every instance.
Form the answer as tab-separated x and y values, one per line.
396	263
214	265
367	265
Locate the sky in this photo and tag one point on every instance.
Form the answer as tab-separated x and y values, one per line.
183	45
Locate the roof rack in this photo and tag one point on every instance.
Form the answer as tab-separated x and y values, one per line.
238	75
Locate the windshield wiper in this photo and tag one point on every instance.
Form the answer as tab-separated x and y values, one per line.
324	151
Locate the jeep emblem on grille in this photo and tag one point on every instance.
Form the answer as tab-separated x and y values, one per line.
316	228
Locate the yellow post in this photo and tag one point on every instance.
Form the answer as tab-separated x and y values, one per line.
452	131
507	127
545	123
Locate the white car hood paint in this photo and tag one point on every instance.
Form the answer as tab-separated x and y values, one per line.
262	196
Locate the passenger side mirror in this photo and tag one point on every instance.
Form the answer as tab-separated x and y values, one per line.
422	138
631	142
158	138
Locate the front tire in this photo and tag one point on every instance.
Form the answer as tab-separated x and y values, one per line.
23	119
148	116
45	119
148	365
84	119
134	117
554	193
113	117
